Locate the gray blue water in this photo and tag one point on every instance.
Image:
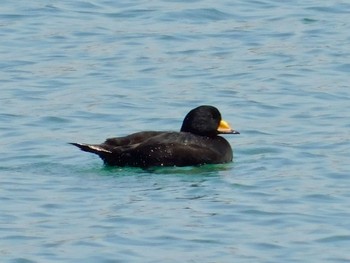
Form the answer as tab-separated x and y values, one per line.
87	70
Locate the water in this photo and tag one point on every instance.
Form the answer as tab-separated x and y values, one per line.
87	70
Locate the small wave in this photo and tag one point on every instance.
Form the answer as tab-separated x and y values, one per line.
198	15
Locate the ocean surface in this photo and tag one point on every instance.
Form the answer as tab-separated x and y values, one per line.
83	71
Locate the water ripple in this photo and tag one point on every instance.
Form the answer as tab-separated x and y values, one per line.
88	70
197	15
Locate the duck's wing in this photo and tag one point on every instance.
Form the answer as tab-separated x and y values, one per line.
110	144
113	146
131	139
180	149
176	154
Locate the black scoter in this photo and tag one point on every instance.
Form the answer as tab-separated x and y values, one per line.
197	143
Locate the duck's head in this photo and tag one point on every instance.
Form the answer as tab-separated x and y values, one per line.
206	121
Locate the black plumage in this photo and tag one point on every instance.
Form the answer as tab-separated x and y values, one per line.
197	143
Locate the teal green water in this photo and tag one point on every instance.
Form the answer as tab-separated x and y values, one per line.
87	70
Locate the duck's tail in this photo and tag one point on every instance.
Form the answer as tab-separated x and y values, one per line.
92	148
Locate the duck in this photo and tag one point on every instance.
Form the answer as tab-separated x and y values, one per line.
197	143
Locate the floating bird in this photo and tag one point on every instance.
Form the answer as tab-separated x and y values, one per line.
197	143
